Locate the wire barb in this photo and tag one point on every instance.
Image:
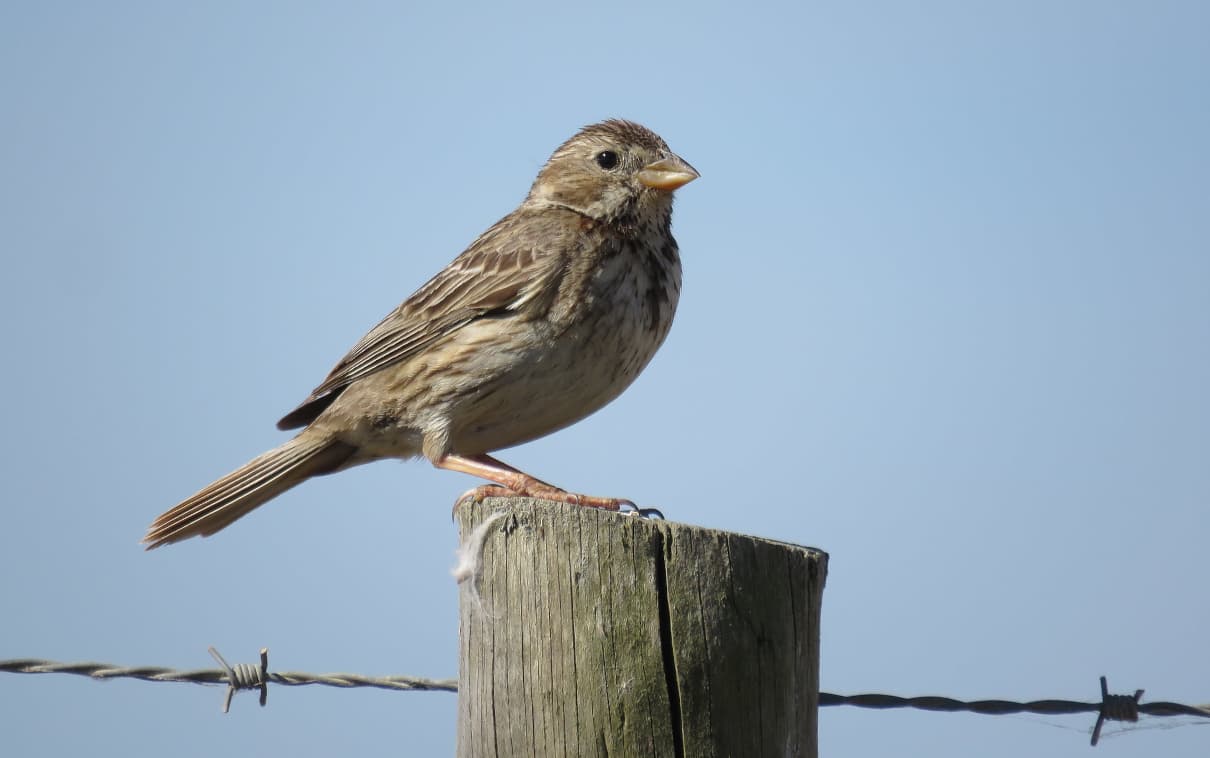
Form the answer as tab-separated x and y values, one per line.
1115	708
245	676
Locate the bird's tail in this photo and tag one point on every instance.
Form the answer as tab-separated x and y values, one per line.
255	483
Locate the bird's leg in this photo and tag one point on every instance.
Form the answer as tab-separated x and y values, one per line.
519	483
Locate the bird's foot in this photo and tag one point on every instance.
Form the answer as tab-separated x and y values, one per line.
540	490
511	482
536	488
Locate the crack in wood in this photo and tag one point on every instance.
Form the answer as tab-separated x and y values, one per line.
663	546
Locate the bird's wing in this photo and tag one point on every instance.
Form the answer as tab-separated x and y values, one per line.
510	264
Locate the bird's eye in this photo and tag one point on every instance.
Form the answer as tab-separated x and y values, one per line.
607	159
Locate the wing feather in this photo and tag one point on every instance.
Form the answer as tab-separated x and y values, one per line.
516	261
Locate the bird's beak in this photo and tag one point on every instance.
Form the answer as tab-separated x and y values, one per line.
667	173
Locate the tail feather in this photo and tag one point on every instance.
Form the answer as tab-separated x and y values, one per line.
255	483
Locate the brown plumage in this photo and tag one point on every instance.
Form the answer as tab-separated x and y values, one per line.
546	317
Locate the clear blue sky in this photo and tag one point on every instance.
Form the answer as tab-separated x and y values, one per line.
946	315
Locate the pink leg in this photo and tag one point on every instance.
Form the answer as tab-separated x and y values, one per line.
518	483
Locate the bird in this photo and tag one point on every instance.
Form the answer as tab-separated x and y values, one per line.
545	318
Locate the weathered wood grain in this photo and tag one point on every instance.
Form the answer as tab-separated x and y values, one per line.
588	633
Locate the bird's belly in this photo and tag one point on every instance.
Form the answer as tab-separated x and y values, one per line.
551	384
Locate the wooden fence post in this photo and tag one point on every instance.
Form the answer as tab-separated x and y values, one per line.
588	633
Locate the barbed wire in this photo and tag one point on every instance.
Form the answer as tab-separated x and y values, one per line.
253	676
239	677
1111	708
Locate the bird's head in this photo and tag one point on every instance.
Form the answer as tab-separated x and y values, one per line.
613	171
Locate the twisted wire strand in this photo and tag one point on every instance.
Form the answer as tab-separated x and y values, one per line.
1111	708
1005	707
220	676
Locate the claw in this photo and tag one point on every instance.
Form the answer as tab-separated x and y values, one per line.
477	495
630	509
